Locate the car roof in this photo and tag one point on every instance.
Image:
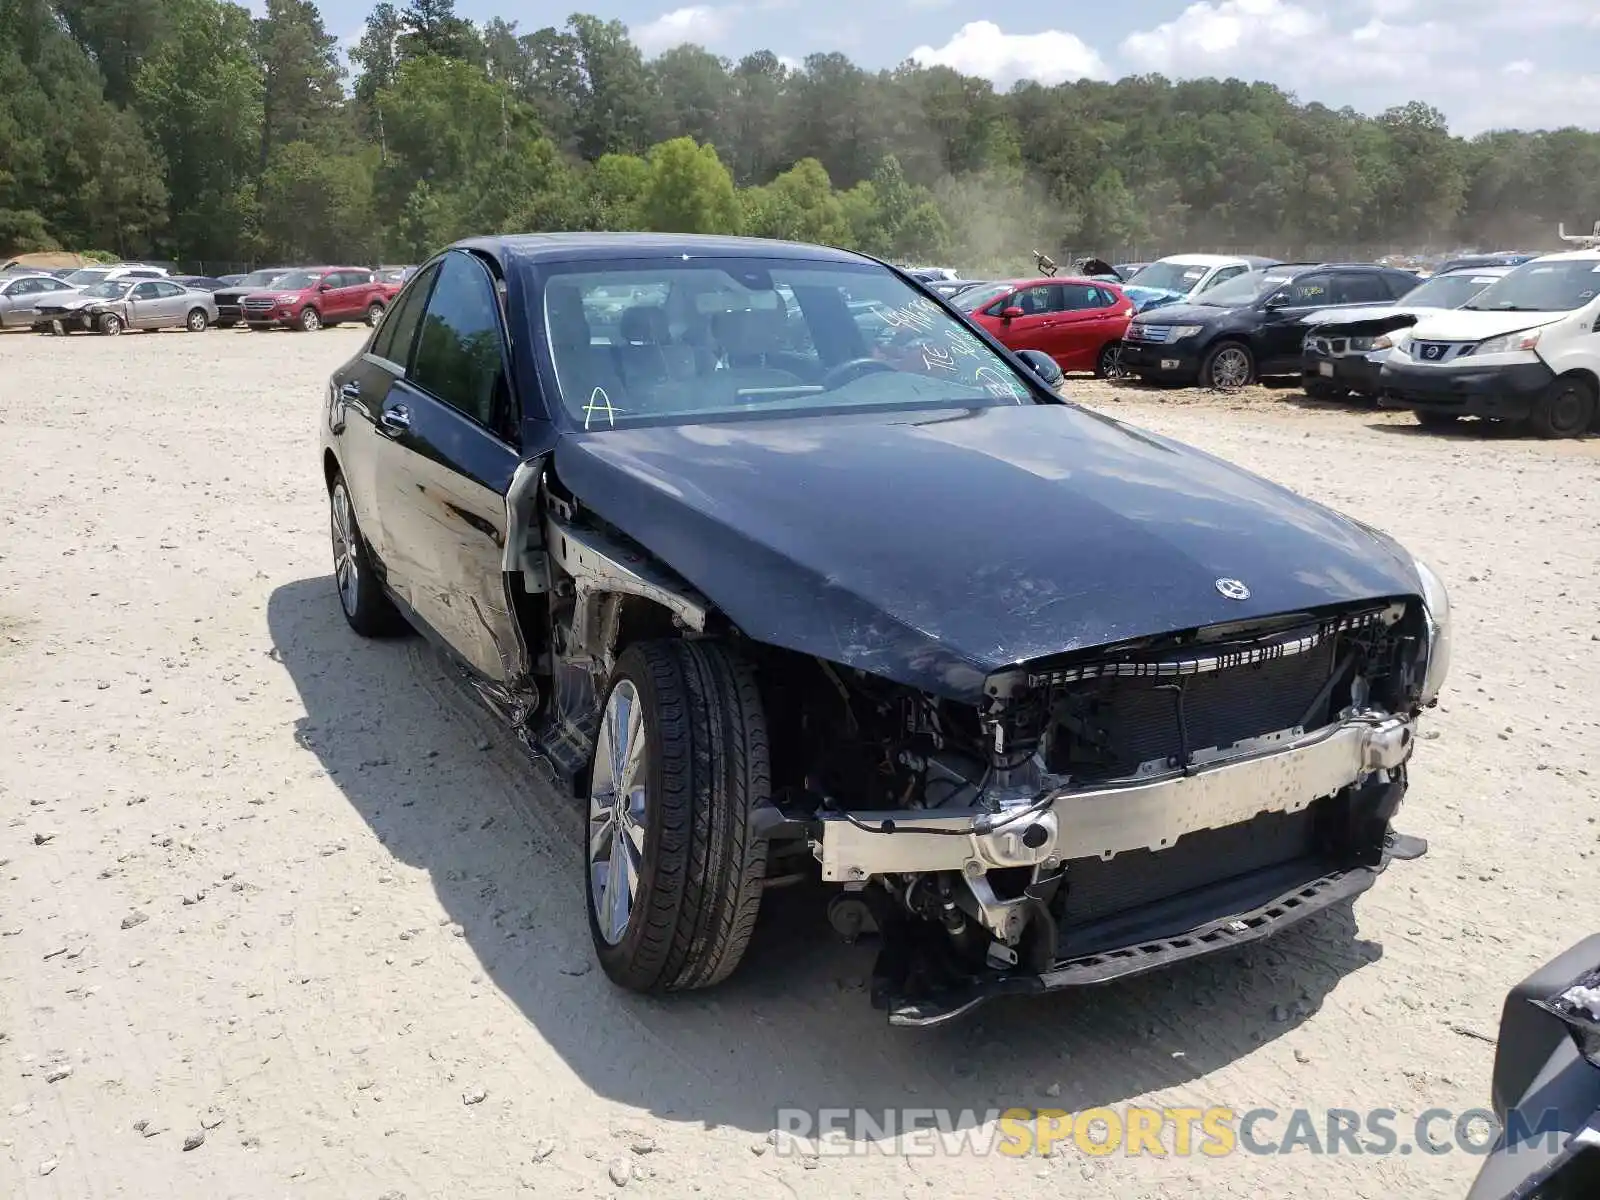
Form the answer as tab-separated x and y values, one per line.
1571	256
530	248
1216	260
1486	269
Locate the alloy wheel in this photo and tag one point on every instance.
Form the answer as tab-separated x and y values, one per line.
346	572
617	812
1230	368
197	321
111	325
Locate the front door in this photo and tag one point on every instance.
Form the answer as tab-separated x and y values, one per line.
1087	323
444	457
144	307
1282	335
1038	328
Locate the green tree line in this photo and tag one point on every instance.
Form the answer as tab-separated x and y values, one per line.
191	130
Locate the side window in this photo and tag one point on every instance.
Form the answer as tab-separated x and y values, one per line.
1360	287
333	279
1401	284
168	289
355	279
1045	298
458	355
23	287
53	285
1079	296
145	291
1309	290
398	328
1223	275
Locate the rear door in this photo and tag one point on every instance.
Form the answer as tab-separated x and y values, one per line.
445	454
172	304
354	288
360	389
1087	322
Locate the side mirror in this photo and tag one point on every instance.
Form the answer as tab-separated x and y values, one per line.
1011	313
1042	365
1277	300
322	287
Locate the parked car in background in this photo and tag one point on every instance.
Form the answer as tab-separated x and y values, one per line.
1249	326
1060	701
230	298
932	274
89	276
394	275
204	283
1128	270
1077	322
1502	258
1523	350
20	294
231	280
313	297
1341	355
127	303
1188	276
953	287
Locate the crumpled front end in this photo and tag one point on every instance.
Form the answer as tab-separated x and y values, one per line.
1136	806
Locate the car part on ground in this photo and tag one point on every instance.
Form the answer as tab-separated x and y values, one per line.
1524	351
1546	1088
1037	727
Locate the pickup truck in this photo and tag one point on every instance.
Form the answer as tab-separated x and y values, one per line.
313	297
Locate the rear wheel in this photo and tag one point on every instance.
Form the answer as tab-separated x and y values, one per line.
310	320
1565	409
1228	365
374	314
673	860
111	324
197	321
361	597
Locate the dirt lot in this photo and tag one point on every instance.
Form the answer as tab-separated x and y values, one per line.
261	882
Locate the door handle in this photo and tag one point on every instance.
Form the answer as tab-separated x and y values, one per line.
351	391
396	419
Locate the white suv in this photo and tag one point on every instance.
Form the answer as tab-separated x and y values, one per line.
1525	350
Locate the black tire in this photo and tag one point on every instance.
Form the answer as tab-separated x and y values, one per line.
310	320
701	873
1220	359
374	314
1319	389
1108	363
196	321
1565	409
1437	420
366	607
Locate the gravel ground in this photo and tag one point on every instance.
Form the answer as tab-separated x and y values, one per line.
302	923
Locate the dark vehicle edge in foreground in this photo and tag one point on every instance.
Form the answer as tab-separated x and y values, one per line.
1168	710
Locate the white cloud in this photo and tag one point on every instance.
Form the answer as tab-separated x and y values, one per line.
701	24
1212	36
981	48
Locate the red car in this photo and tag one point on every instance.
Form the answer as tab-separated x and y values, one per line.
1077	322
312	297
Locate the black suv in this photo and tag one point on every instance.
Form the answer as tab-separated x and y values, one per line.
1044	699
1250	326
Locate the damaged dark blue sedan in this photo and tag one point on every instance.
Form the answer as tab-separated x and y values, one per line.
788	571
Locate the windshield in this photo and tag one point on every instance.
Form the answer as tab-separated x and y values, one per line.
80	279
1243	289
258	279
294	281
668	340
1542	286
975	298
1170	276
109	291
1449	291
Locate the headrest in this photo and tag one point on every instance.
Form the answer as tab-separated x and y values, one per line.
569	325
645	324
750	330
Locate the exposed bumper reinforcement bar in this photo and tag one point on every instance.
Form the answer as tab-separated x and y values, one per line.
1288	773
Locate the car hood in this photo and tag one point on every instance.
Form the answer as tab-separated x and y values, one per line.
1190	314
70	300
1468	325
936	547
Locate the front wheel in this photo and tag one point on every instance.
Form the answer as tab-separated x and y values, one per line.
1109	363
197	321
673	859
111	324
369	612
1565	409
310	320
374	314
1228	366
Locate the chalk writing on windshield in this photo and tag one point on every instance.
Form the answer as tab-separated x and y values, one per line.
1001	387
601	403
937	358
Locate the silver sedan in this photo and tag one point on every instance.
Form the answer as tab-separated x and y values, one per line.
120	304
19	294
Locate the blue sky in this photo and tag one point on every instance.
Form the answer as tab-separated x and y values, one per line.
1485	63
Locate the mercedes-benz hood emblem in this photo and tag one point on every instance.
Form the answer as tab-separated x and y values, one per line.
1233	589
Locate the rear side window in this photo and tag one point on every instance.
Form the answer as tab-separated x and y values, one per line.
458	356
1360	287
1400	284
355	278
1080	296
1044	298
399	326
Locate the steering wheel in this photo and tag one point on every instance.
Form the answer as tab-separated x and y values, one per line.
852	369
